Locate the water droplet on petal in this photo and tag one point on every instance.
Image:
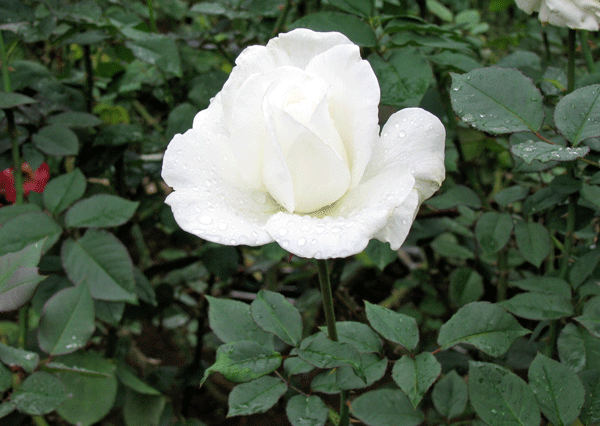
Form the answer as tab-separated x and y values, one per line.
283	232
301	241
205	220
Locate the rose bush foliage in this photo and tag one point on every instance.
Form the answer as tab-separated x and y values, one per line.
576	14
290	151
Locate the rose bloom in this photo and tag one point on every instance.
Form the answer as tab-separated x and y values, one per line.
289	151
576	14
32	181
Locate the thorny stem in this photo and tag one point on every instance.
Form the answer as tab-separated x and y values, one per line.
331	328
281	18
150	4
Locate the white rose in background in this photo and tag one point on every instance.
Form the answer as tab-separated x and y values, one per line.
575	14
289	151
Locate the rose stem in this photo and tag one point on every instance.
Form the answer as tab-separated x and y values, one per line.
564	266
331	328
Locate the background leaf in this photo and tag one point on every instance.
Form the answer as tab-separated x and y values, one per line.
394	326
256	396
100	211
64	190
306	411
272	313
501	398
393	409
576	115
39	394
482	102
416	375
352	27
450	395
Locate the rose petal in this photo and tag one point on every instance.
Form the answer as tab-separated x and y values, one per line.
353	103
576	14
210	200
412	139
317	173
353	221
400	222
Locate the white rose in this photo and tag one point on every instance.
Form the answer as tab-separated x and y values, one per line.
576	14
289	151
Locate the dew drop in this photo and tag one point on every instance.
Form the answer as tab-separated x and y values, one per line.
283	232
223	226
205	220
301	241
402	134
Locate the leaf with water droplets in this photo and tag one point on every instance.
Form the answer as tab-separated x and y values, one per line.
386	407
484	325
67	321
256	396
590	412
324	353
393	326
557	389
274	314
545	152
416	375
577	115
536	306
480	101
244	361
500	397
40	393
306	411
590	318
16	356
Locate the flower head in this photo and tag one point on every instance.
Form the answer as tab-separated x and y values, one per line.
289	151
32	181
575	14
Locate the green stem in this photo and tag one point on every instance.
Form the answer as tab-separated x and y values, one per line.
331	329
568	245
587	53
502	275
89	77
281	19
571	63
153	27
39	421
23	326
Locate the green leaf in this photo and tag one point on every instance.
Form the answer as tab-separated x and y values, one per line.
324	353
591	193
457	196
359	335
438	9
511	194
231	321
306	411
545	152
576	115
27	229
100	211
450	395
20	357
378	254
344	378
64	190
544	285
11	100
590	412
393	326
6	408
536	306
119	134
466	286
590	318
243	361
39	394
296	365
548	379
352	27
356	7
493	231
256	396
500	397
533	241
56	140
159	50
274	314
75	119
19	276
386	407
67	321
130	380
109	312
447	245
416	375
572	347
5	379
8	213
484	325
479	100
102	261
582	268
180	119
404	76
142	409
92	396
